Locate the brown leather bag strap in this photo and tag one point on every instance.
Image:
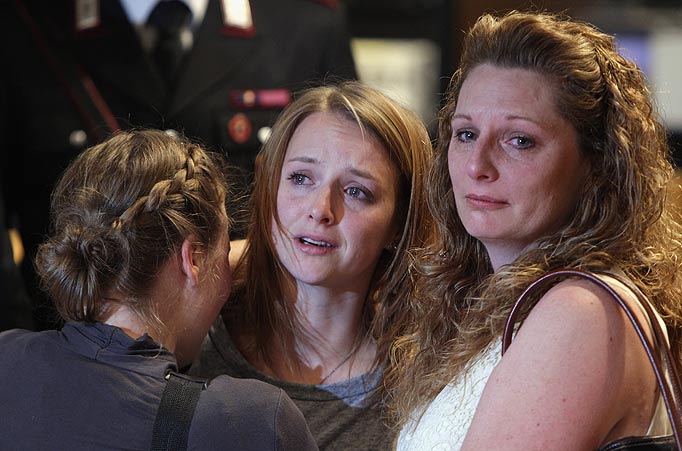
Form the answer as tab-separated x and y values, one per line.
659	353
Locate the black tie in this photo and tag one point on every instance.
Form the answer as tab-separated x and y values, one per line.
170	19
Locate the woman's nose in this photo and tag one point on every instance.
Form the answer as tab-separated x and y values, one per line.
321	207
480	164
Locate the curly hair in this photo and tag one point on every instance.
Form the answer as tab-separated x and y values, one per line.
461	305
258	306
118	212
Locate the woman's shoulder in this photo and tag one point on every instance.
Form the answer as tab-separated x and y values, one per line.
15	344
579	322
226	393
25	341
572	367
248	414
575	304
11	336
577	292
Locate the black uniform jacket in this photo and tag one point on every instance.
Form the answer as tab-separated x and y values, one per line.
62	89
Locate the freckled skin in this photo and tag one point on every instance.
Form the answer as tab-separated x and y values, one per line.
514	162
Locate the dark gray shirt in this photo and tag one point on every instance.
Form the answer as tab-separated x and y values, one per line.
91	386
341	416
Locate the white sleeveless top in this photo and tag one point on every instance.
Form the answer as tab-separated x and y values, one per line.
445	421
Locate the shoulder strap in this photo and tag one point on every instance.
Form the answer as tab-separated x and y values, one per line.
174	417
659	353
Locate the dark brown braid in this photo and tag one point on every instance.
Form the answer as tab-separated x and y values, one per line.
119	211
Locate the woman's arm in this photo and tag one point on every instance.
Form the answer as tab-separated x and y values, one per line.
575	377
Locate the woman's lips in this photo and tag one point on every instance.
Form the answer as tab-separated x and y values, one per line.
314	245
314	242
487	202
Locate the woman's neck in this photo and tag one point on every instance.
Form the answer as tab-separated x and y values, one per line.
503	253
129	322
334	315
326	348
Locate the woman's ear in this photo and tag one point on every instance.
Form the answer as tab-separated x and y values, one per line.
392	245
190	257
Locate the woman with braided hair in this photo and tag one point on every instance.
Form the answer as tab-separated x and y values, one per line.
550	156
137	265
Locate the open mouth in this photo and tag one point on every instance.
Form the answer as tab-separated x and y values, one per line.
314	242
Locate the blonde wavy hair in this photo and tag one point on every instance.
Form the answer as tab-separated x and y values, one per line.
258	307
460	305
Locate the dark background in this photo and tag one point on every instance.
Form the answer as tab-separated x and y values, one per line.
444	22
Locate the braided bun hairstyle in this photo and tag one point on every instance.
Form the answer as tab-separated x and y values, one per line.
119	211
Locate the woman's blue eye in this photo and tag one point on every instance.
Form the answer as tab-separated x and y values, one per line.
357	193
522	142
465	135
297	179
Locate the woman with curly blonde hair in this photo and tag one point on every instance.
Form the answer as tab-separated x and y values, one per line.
550	155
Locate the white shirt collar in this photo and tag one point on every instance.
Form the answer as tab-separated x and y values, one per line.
138	10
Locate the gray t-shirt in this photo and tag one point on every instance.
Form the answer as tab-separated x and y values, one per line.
92	387
341	416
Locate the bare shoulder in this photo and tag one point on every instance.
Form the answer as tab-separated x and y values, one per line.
576	310
569	376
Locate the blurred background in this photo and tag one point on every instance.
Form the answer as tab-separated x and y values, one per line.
76	67
410	48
